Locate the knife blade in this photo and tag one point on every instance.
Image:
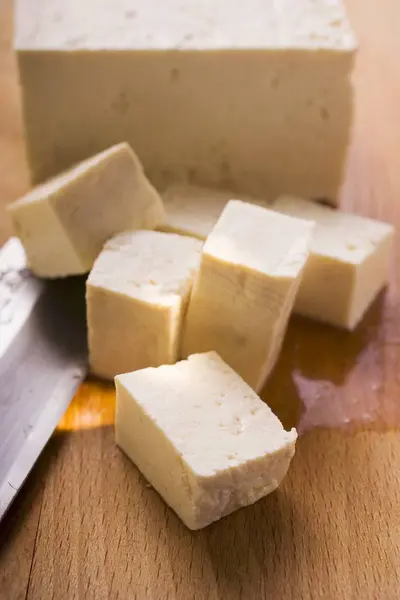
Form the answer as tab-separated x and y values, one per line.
43	360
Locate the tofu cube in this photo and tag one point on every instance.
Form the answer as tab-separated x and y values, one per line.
254	96
194	210
64	223
243	294
201	436
348	264
137	293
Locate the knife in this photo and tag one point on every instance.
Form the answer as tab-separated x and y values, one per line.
43	360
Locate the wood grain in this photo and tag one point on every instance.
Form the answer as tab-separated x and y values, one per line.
88	526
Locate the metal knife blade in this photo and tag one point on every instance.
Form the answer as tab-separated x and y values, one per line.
43	360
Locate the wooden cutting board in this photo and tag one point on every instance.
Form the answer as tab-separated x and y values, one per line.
88	526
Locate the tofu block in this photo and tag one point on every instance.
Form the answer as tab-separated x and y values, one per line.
136	294
255	97
194	210
64	223
201	436
244	291
348	264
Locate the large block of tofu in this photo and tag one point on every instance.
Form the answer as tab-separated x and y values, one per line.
194	210
137	293
348	264
244	291
64	222
201	436
252	96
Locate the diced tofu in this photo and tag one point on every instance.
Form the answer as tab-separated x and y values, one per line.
254	96
64	222
137	293
193	210
200	435
250	270
348	264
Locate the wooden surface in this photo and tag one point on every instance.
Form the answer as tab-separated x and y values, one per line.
86	524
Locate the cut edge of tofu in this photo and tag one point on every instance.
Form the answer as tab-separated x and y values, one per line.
285	277
161	301
377	261
72	260
57	239
329	29
292	261
72	176
182	198
162	298
166	306
363	296
285	201
168	228
168	313
188	500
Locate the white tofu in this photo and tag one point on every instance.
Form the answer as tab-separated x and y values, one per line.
64	222
254	96
137	293
244	291
193	210
348	264
203	439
